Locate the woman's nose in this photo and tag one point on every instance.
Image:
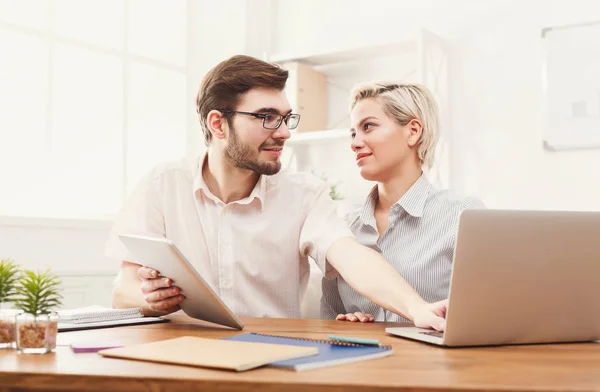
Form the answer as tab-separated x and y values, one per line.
357	143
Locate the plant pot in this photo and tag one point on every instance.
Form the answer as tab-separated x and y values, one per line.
8	328
36	334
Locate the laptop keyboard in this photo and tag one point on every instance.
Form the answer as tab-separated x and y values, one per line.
434	333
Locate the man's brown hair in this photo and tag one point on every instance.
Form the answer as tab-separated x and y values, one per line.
223	85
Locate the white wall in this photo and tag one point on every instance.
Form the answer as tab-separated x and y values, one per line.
497	94
503	90
74	249
69	246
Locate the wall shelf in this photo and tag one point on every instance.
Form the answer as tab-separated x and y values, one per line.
318	137
349	54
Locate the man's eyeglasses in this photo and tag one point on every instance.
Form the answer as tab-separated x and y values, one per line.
272	121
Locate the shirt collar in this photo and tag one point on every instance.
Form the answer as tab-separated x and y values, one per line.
258	192
367	211
413	201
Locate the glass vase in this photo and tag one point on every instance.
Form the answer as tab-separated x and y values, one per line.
36	334
8	334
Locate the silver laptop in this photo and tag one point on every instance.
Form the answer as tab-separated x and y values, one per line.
521	277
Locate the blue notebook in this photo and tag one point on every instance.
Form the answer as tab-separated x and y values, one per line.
330	353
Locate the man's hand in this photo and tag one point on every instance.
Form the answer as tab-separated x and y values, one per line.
158	292
356	316
431	315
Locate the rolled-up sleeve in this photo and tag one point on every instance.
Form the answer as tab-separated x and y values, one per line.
321	228
142	214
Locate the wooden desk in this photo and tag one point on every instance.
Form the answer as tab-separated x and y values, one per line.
413	366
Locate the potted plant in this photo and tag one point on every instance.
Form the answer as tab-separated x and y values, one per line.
344	207
334	193
37	294
9	273
333	186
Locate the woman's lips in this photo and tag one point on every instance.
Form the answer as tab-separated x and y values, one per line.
361	157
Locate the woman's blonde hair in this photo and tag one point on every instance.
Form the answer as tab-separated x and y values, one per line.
403	103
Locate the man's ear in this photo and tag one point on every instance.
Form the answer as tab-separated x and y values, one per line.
415	128
216	124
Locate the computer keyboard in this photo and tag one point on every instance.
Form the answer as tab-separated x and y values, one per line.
434	333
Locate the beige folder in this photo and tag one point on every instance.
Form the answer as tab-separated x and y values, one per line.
213	353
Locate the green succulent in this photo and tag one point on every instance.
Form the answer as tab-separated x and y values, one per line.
333	191
38	292
334	194
9	274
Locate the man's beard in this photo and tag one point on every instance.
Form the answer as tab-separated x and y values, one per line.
243	157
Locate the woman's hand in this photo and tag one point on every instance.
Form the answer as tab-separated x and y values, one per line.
356	316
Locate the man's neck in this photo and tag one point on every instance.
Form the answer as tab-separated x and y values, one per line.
392	190
225	181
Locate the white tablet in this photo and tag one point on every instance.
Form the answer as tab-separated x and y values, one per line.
162	255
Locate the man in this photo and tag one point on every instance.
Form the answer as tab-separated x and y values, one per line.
246	228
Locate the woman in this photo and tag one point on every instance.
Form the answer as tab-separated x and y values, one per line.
395	132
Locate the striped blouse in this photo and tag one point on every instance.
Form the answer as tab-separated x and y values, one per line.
418	242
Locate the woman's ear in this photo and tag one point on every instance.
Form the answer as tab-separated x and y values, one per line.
216	124
415	128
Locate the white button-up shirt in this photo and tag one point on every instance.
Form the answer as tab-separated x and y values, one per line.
253	252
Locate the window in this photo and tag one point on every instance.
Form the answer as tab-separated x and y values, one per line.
93	95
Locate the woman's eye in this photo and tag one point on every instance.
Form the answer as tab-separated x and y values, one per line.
353	135
369	126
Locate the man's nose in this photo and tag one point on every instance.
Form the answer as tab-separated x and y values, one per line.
283	132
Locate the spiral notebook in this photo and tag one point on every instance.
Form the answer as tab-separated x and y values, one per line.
331	353
94	314
93	317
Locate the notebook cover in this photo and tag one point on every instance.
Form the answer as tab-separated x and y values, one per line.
212	353
330	353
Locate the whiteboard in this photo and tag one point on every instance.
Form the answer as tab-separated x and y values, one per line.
571	85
